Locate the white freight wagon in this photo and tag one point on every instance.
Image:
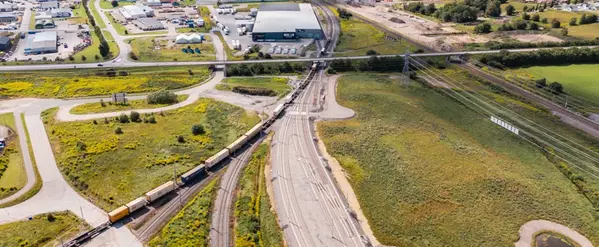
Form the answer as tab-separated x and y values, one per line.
254	131
136	204
160	191
217	158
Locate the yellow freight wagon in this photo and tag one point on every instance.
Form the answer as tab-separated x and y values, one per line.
118	214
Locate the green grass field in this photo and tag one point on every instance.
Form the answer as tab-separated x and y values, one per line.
357	37
12	172
580	80
96	14
151	49
114	169
40	231
255	222
191	226
276	85
430	172
94	82
110	107
107	4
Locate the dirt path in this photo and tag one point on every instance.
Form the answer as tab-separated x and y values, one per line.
529	230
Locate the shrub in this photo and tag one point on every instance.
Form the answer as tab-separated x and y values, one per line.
50	217
536	17
371	53
533	26
106	121
123	118
564	31
556	87
555	23
133	56
180	139
95	122
573	21
162	97
544	20
254	91
541	83
331	71
197	129
134	116
152	120
114	3
118	131
483	28
509	10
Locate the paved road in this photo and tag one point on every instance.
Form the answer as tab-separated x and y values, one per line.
31	179
529	230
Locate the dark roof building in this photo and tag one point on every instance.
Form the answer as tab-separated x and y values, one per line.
5	43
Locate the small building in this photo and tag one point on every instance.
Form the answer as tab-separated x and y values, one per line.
153	3
44	24
43	16
286	22
132	12
49	5
42	42
7	17
149	11
148	24
6	7
189	39
60	13
5	43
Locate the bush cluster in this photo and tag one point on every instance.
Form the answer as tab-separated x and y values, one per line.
382	64
254	91
542	57
162	97
260	69
494	45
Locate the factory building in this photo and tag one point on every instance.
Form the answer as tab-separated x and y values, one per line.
132	12
286	22
43	42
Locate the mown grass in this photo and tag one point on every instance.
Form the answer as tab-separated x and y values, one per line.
579	80
111	107
191	226
94	82
96	14
113	169
255	220
145	50
357	37
107	4
277	85
40	231
428	171
12	172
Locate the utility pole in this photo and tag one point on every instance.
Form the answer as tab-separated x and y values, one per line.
406	69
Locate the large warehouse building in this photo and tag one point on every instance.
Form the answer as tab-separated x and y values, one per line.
42	42
286	22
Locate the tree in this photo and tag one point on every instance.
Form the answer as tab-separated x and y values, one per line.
83	58
483	28
180	139
118	131
97	57
50	217
134	116
104	48
525	9
430	9
533	26
536	17
520	25
555	23
556	87
371	53
132	55
493	9
544	20
541	83
152	120
71	58
162	97
267	56
114	3
197	129
574	21
525	16
123	118
509	10
102	103
564	31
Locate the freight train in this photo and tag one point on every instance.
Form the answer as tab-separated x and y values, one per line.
209	163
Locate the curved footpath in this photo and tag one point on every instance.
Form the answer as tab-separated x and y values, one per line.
529	230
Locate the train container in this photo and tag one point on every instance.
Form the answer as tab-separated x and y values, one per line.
237	144
188	176
118	214
136	204
278	110
254	131
210	162
160	191
288	99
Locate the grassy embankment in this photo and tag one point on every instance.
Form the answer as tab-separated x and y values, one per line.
113	169
255	219
191	226
107	4
579	80
12	172
428	171
110	107
267	86
95	82
145	50
42	230
357	37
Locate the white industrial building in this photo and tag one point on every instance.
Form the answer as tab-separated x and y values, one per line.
286	22
148	24
60	13
49	5
6	7
42	42
189	39
133	12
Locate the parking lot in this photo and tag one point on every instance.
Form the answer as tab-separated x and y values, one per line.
245	40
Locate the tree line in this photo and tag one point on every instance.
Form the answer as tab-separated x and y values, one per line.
261	69
376	64
494	45
541	57
104	47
